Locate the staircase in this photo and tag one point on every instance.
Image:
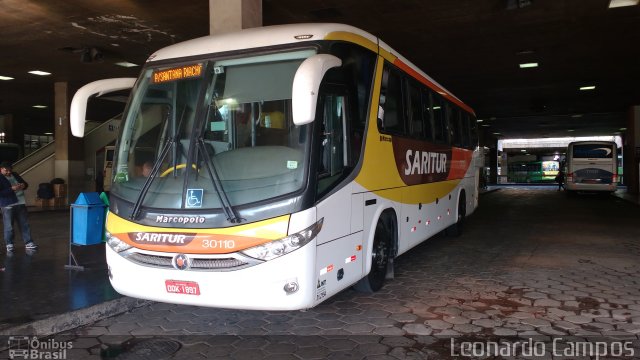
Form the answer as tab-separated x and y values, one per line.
39	166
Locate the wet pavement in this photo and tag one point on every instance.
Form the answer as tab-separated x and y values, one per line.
36	285
533	265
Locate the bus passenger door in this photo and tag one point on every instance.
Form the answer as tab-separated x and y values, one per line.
339	260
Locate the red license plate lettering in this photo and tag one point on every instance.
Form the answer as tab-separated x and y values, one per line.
182	287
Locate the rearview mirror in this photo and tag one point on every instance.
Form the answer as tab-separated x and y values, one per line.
78	111
306	84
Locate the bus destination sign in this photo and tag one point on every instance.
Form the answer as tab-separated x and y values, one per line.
178	73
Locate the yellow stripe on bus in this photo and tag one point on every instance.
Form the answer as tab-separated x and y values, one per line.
379	166
354	38
271	229
379	171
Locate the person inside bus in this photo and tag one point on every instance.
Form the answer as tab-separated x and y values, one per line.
560	179
14	208
146	168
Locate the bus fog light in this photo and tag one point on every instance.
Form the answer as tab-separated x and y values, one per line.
291	287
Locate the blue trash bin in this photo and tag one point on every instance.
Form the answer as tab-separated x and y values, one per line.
87	215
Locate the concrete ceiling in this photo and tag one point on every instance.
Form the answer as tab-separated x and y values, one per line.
472	47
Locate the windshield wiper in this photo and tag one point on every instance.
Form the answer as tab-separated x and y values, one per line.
172	142
201	148
147	183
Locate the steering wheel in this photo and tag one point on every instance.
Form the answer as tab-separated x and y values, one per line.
177	167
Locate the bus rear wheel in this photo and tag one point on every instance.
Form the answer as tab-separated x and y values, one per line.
455	230
379	259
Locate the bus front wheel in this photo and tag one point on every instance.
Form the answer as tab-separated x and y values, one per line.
379	259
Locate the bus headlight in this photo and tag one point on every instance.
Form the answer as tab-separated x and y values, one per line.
116	244
277	248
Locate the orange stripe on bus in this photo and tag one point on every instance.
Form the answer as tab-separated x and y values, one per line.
460	162
397	62
201	244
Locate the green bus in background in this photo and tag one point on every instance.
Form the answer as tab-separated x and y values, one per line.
532	171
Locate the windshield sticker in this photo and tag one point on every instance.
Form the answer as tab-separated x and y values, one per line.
218	126
122	174
292	164
194	198
173	74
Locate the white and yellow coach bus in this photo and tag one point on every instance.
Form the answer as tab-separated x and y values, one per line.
274	167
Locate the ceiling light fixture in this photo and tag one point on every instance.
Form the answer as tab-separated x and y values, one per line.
126	64
528	65
48	133
623	129
621	3
589	87
39	72
479	120
5	77
570	130
40	106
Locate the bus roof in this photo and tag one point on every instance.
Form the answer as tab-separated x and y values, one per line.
290	34
255	37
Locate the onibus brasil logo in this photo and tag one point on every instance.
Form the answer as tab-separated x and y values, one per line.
30	347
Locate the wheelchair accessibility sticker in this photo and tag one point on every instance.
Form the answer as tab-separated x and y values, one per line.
194	198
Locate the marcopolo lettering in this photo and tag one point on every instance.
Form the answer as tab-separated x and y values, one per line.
180	219
425	162
161	238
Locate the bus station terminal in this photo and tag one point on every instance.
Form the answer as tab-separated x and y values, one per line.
282	180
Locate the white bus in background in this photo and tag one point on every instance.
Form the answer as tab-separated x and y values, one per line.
591	166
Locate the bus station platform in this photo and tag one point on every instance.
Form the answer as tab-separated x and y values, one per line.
41	296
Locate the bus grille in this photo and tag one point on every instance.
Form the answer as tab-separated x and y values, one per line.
202	264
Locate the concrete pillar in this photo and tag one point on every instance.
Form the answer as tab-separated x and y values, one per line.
69	163
493	164
631	151
234	15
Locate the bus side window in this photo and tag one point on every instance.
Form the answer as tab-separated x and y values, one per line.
391	103
453	118
416	128
464	129
427	115
439	129
333	142
474	132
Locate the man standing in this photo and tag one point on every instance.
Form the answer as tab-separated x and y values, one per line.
14	208
560	179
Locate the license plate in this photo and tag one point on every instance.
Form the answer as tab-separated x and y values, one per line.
182	287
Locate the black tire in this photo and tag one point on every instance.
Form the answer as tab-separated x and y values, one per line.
456	229
379	259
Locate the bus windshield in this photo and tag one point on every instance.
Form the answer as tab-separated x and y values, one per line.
212	134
